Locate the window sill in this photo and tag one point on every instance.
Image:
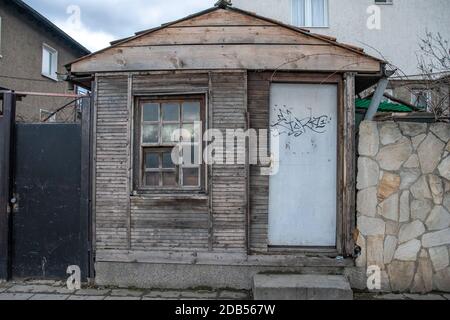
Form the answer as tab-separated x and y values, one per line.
169	196
49	77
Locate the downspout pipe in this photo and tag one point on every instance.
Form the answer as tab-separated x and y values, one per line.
378	95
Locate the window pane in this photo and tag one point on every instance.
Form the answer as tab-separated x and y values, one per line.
189	128
171	111
152	160
191	154
190	177
191	111
298	10
167	131
151	112
46	62
169	179
152	179
318	13
167	160
150	133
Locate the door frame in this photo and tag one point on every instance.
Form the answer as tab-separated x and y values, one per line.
346	159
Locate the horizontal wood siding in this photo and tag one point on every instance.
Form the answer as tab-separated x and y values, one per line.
177	225
169	223
227	39
111	169
229	182
258	107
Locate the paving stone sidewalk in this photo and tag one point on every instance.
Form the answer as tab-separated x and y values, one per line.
51	290
56	290
402	296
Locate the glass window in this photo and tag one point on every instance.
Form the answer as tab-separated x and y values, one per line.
310	13
160	118
49	62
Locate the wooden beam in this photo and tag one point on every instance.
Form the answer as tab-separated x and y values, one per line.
315	58
349	165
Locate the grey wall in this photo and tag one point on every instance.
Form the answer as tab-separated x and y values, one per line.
401	24
21	61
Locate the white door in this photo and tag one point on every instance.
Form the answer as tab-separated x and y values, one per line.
302	196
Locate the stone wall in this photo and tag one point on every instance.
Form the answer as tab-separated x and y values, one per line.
403	204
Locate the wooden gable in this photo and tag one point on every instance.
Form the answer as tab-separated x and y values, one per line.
227	38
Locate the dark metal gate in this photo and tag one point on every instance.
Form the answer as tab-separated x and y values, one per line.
49	219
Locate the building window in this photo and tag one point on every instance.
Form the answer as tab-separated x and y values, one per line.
421	98
310	13
49	62
47	116
384	1
158	121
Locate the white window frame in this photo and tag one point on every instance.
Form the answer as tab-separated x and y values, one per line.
308	14
53	63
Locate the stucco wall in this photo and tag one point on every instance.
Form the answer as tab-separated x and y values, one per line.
403	204
21	62
402	24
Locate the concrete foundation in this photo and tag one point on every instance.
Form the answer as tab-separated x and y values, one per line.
183	276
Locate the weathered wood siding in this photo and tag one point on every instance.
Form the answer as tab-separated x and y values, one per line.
227	39
111	170
146	222
229	182
259	110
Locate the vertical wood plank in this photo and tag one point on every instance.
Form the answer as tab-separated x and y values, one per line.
85	192
349	166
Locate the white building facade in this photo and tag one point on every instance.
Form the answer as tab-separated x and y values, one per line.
389	29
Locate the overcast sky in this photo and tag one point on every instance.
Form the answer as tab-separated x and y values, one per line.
102	21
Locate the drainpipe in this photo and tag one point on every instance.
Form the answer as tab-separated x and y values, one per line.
378	95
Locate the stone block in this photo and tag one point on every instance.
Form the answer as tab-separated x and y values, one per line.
368	139
438	219
389	133
420	209
429	153
411	231
389	208
444	168
389	184
436	239
390	244
401	275
412	129
439	257
371	226
408	251
368	173
367	202
393	156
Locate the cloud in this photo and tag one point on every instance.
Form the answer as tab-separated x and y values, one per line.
102	21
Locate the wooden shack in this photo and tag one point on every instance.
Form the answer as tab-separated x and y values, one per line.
160	225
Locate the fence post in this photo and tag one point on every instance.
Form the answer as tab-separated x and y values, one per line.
86	138
7	118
